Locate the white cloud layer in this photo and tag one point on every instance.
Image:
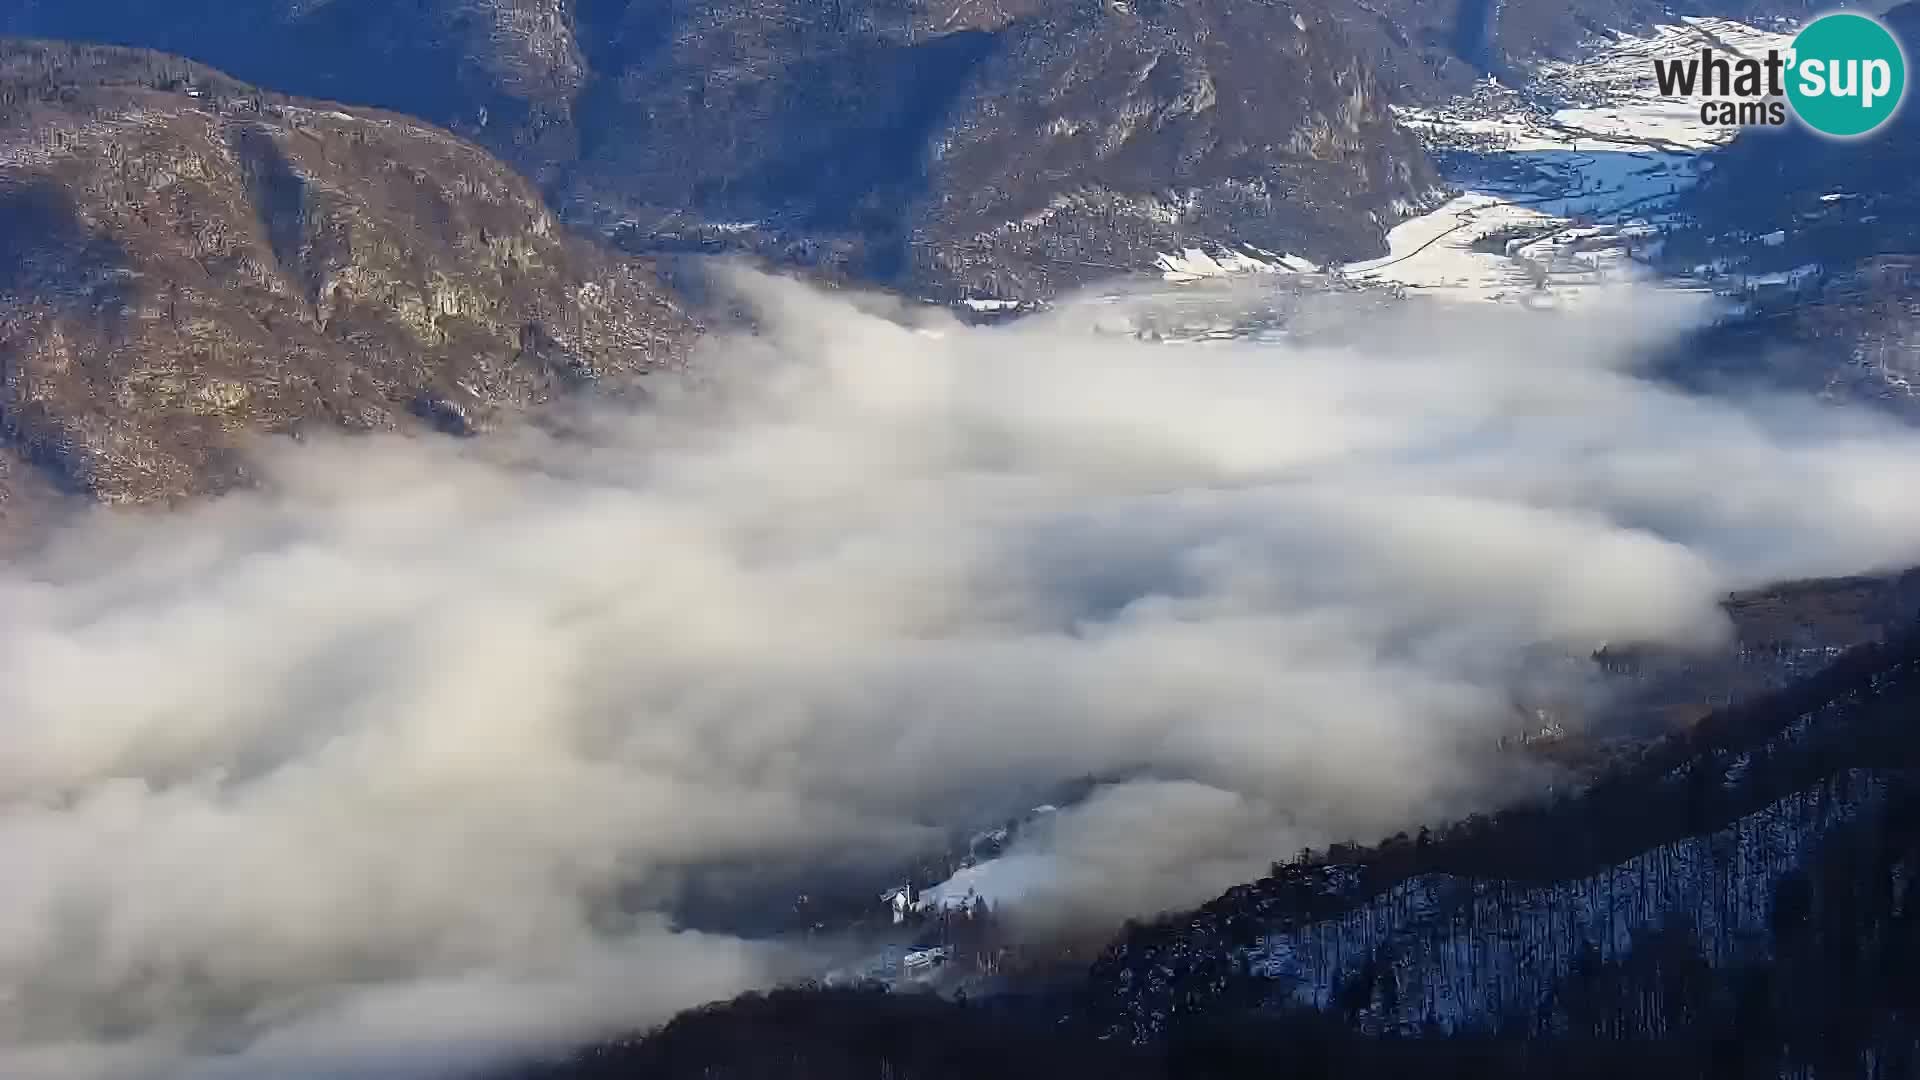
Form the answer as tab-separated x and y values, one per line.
346	775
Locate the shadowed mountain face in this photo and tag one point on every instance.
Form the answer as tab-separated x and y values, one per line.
186	261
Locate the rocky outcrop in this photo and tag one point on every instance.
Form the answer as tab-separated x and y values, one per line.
185	261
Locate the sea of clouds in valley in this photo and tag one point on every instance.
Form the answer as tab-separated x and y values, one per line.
403	759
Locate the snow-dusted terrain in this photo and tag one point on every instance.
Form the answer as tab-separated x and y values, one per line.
1559	185
996	882
1193	264
1563	183
1457	952
1462	951
1555	187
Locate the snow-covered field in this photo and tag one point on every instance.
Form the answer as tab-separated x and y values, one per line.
1192	264
1565	183
1551	188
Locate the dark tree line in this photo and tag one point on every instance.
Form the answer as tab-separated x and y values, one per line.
873	1035
1859	712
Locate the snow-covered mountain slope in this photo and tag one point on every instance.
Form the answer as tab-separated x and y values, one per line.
1454	950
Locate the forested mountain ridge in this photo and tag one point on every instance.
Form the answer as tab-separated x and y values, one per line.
1494	921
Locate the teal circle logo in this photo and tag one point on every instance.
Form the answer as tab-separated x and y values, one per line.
1847	75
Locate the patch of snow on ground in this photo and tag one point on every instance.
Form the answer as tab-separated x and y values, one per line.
986	304
1795	277
1193	264
997	881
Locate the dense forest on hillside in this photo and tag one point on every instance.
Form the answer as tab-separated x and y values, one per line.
1721	814
874	1035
